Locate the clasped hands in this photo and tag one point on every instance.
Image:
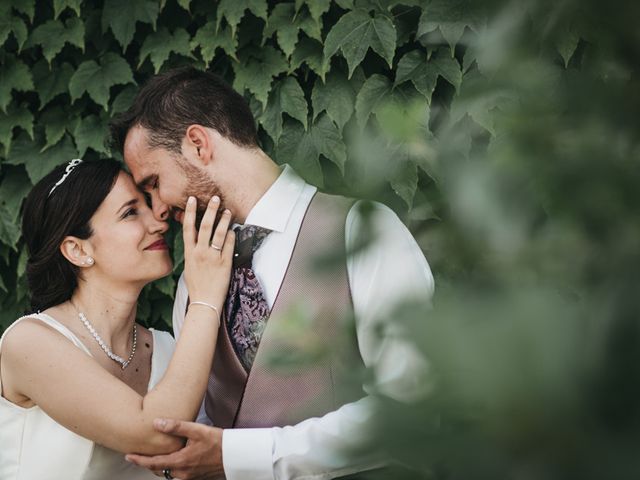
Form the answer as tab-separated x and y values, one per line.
199	459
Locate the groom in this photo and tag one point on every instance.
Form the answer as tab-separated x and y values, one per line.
188	133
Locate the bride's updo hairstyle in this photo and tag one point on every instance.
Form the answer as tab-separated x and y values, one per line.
50	216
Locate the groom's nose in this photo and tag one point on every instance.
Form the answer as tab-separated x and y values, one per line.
159	208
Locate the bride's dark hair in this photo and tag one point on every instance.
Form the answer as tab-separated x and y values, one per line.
48	218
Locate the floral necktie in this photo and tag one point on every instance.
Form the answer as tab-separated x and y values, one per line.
246	307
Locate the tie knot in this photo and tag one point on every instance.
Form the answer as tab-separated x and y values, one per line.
248	240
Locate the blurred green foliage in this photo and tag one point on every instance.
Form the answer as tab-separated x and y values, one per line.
534	335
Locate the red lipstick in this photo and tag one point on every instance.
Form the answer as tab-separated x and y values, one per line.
159	245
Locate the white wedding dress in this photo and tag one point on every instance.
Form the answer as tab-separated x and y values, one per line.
34	447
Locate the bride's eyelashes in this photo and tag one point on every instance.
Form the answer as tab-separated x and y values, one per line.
130	212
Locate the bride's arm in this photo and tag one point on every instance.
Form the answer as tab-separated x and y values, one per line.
76	392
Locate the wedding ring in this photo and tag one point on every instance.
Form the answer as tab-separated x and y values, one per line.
167	474
215	247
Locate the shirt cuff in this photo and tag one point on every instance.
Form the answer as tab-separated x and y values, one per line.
247	454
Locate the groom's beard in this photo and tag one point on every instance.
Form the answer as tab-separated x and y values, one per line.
202	188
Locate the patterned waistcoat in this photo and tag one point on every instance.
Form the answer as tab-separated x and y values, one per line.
308	347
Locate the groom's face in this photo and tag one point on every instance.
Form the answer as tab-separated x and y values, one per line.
159	173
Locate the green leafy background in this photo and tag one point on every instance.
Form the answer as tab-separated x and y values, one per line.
315	74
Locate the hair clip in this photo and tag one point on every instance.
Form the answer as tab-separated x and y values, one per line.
70	166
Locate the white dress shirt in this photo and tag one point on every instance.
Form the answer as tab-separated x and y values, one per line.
390	270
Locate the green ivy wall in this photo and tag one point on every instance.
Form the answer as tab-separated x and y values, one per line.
317	74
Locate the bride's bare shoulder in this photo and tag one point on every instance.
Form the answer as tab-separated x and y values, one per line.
27	335
37	335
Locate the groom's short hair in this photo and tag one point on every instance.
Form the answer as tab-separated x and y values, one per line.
168	103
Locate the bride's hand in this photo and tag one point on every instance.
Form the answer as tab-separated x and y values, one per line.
207	260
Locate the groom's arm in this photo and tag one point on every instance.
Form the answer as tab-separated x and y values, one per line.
391	270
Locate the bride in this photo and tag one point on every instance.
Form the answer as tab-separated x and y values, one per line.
80	381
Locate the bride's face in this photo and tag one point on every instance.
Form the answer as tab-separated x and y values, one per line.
127	242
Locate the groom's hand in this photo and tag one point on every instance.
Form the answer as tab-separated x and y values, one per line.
201	457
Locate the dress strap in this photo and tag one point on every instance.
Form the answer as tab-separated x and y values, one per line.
53	323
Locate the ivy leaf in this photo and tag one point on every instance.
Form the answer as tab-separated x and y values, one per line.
309	25
90	132
60	5
166	285
233	11
122	15
375	90
409	3
27	152
567	44
345	4
51	82
55	123
124	99
356	32
310	52
317	8
28	7
401	112
479	99
470	56
97	79
15	117
10	24
22	261
424	72
178	252
404	180
337	97
14	75
287	23
257	75
303	149
9	232
161	44
185	4
451	17
54	34
208	39
403	117
5	252
329	141
406	22
161	313
13	190
286	97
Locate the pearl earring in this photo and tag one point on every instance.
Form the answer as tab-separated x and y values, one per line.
89	261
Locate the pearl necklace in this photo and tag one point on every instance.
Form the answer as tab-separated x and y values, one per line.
107	350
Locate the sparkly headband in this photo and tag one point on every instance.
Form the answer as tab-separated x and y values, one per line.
70	166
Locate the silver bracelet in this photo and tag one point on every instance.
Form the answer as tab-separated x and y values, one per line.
207	305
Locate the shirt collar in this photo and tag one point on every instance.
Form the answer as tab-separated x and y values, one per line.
274	208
